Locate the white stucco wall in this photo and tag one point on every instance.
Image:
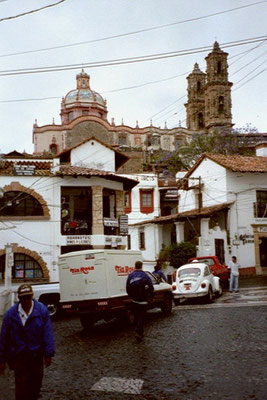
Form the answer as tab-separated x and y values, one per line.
223	186
242	188
44	235
93	154
146	181
214	192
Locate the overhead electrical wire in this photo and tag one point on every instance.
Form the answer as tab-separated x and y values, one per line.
137	31
31	12
129	60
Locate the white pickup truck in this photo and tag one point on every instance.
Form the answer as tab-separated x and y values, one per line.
46	293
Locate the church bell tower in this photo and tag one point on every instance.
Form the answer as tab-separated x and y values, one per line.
217	91
195	107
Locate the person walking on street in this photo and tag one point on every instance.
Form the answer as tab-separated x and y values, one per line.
234	274
26	343
140	289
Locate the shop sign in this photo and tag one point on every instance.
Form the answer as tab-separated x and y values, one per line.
24	169
111	222
113	241
78	239
262	228
123	222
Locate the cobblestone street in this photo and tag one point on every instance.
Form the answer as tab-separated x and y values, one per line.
195	354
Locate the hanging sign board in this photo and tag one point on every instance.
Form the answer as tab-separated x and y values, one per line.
123	221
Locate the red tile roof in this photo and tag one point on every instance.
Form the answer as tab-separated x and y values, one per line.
205	211
235	163
68	170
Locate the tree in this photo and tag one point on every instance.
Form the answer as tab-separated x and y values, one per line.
223	141
177	254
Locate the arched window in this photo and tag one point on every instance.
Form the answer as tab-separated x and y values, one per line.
221	104
71	115
53	149
155	140
24	267
15	203
198	87
122	139
219	67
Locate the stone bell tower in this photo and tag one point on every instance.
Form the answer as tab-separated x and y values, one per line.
195	107
217	91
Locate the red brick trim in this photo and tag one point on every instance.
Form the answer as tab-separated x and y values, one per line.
33	254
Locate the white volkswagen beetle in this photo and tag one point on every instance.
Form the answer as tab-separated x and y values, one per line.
195	280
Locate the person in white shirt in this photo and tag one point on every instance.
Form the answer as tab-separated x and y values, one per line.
234	274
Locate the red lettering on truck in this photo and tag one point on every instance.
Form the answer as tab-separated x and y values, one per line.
123	271
82	270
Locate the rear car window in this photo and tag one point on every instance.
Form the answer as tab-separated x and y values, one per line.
189	271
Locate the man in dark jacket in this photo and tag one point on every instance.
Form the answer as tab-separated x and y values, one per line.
26	343
140	289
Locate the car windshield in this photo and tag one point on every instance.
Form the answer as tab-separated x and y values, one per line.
189	271
208	261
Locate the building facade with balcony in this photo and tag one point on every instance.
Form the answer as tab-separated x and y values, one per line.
51	206
222	209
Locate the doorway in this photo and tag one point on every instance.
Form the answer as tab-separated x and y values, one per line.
263	252
219	250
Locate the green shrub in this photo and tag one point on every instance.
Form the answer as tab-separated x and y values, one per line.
177	254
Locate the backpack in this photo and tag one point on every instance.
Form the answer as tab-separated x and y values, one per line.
138	288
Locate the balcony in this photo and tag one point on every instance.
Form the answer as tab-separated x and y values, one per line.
76	227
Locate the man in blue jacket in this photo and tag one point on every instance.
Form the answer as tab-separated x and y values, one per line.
26	343
140	289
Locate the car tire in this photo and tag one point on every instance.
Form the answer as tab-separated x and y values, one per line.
176	302
87	321
52	304
220	291
166	306
209	296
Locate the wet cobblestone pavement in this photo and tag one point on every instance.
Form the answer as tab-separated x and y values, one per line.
195	354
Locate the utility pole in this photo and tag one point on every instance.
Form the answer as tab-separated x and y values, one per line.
200	205
8	265
199	194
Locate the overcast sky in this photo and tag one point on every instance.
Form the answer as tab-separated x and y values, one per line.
159	86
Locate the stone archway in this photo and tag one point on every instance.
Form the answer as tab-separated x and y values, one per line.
17	187
30	253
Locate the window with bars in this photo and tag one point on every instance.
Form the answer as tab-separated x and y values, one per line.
146	201
15	203
25	267
128	202
142	244
129	242
260	207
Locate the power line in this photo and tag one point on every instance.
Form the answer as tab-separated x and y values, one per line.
134	32
30	12
255	76
247	64
129	60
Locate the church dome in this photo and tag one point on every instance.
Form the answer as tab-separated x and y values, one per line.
84	94
82	100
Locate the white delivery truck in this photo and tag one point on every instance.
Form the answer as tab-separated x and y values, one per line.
93	283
